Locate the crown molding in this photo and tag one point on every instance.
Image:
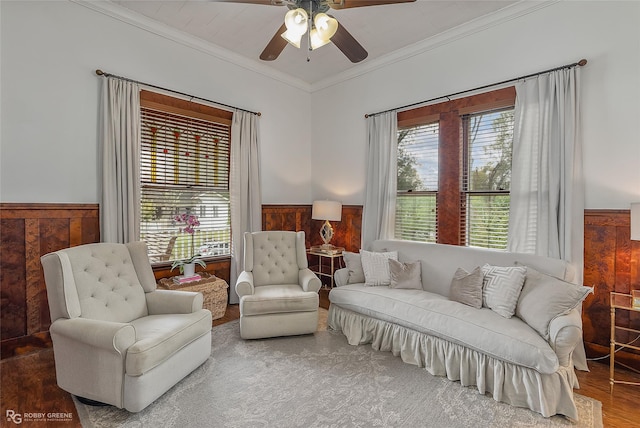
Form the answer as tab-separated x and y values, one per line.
469	28
135	19
142	22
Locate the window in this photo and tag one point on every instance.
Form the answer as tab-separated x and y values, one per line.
184	169
416	208
486	178
454	171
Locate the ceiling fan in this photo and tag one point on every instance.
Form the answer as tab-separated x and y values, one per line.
310	17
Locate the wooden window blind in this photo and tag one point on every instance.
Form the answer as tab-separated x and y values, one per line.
486	178
184	168
417	191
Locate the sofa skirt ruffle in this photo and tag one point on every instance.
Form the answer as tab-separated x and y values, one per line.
547	394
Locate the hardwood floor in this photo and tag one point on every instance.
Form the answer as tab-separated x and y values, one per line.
29	386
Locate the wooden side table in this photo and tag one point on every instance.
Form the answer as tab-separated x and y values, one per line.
622	302
213	289
332	257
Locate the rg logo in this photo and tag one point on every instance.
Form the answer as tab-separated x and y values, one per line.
14	417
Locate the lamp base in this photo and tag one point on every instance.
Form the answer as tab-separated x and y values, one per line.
326	232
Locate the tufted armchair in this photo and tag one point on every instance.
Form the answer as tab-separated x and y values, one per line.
278	292
116	339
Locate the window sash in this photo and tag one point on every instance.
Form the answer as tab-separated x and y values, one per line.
184	169
485	191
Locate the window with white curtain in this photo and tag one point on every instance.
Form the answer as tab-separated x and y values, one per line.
184	171
486	178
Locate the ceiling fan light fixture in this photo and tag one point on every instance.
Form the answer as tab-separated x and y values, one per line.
316	40
296	20
293	38
326	25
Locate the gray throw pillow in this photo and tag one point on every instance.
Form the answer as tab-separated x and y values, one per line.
353	263
501	288
376	267
405	275
467	287
544	297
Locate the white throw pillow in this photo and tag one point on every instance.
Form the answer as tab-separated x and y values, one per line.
376	267
501	288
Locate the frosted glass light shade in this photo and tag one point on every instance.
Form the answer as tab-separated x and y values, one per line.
326	210
635	221
326	26
316	40
293	38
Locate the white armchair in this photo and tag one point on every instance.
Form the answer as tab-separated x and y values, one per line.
116	339
278	292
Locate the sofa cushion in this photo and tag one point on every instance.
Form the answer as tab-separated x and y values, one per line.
353	262
510	340
158	337
467	287
544	298
501	288
274	299
376	267
405	275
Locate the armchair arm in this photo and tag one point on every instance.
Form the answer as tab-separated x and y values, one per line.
107	335
173	302
244	285
565	333
308	280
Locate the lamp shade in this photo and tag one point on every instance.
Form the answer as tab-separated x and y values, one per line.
326	210
635	221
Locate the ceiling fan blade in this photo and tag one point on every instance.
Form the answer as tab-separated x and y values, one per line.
275	46
348	45
346	4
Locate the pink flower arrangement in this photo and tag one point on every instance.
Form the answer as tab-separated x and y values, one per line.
190	221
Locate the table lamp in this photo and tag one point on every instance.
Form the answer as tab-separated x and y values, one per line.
328	211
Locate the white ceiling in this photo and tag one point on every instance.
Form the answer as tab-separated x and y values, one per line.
245	29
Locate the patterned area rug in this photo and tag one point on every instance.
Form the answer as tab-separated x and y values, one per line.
320	380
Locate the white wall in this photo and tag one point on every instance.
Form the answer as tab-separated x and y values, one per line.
50	51
606	33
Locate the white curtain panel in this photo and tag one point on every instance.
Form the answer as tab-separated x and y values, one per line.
245	193
120	184
378	214
547	183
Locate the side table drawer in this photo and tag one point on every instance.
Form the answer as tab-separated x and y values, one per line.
213	289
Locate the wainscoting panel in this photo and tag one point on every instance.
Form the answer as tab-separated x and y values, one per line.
611	264
28	231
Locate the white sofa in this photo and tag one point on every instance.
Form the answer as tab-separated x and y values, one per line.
478	347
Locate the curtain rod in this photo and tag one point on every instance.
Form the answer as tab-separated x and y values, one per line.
581	63
193	97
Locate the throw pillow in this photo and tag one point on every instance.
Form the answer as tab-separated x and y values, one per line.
545	297
376	267
467	287
405	275
353	263
501	288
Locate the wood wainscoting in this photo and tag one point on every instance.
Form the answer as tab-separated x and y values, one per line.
28	231
610	264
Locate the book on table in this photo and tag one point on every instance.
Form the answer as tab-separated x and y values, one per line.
181	279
